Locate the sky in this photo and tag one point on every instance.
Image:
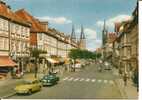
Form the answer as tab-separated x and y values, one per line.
62	14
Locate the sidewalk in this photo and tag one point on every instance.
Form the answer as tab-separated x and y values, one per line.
127	92
7	86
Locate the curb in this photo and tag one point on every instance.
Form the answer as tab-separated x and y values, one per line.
118	83
9	95
122	91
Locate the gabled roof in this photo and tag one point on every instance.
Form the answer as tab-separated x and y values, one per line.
35	24
112	37
7	13
117	26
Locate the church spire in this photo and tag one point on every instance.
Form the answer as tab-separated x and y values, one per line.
104	33
73	37
82	43
104	27
82	35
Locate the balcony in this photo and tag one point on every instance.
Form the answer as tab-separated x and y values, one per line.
126	45
126	58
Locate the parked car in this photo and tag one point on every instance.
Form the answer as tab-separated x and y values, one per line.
77	65
29	86
49	80
107	66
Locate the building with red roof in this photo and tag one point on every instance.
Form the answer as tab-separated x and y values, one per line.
14	37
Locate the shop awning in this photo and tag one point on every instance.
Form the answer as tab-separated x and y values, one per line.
52	61
6	61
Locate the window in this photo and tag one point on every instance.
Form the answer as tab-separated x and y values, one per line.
5	25
40	36
22	30
6	43
27	31
16	28
12	45
1	43
12	28
0	24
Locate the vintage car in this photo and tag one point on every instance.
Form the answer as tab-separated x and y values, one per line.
107	66
49	80
28	86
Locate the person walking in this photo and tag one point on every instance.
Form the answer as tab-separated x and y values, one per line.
120	72
125	79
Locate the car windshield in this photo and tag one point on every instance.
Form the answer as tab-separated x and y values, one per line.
28	82
49	76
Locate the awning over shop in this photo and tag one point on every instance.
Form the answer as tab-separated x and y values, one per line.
52	61
5	61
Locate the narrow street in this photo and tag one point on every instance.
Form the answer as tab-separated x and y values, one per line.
83	84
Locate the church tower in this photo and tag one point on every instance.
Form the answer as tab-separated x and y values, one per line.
82	42
73	37
104	34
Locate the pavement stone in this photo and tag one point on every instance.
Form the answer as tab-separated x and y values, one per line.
129	91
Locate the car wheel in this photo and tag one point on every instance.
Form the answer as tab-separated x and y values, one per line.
30	92
40	88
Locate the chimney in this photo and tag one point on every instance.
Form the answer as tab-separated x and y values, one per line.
8	7
2	2
44	25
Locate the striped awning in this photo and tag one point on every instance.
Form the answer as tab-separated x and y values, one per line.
6	61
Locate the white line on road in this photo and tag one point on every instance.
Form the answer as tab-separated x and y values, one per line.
65	78
93	80
81	79
111	82
105	81
99	81
76	79
70	79
87	80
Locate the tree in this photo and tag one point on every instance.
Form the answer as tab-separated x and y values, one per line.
35	53
98	55
83	54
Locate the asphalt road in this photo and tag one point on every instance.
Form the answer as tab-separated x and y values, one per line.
87	83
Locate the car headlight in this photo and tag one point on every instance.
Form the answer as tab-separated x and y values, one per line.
48	80
24	90
44	81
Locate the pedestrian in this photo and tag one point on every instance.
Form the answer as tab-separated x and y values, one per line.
120	72
125	79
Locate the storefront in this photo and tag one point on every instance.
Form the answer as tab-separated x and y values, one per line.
6	66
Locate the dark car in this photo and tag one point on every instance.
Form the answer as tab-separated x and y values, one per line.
49	80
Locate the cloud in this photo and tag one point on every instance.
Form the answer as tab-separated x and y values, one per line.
110	22
55	20
91	48
16	0
98	41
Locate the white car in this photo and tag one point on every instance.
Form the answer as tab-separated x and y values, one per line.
77	65
107	66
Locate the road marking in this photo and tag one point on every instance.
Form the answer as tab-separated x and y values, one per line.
105	81
99	81
81	79
87	80
111	82
70	79
65	78
76	79
93	80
